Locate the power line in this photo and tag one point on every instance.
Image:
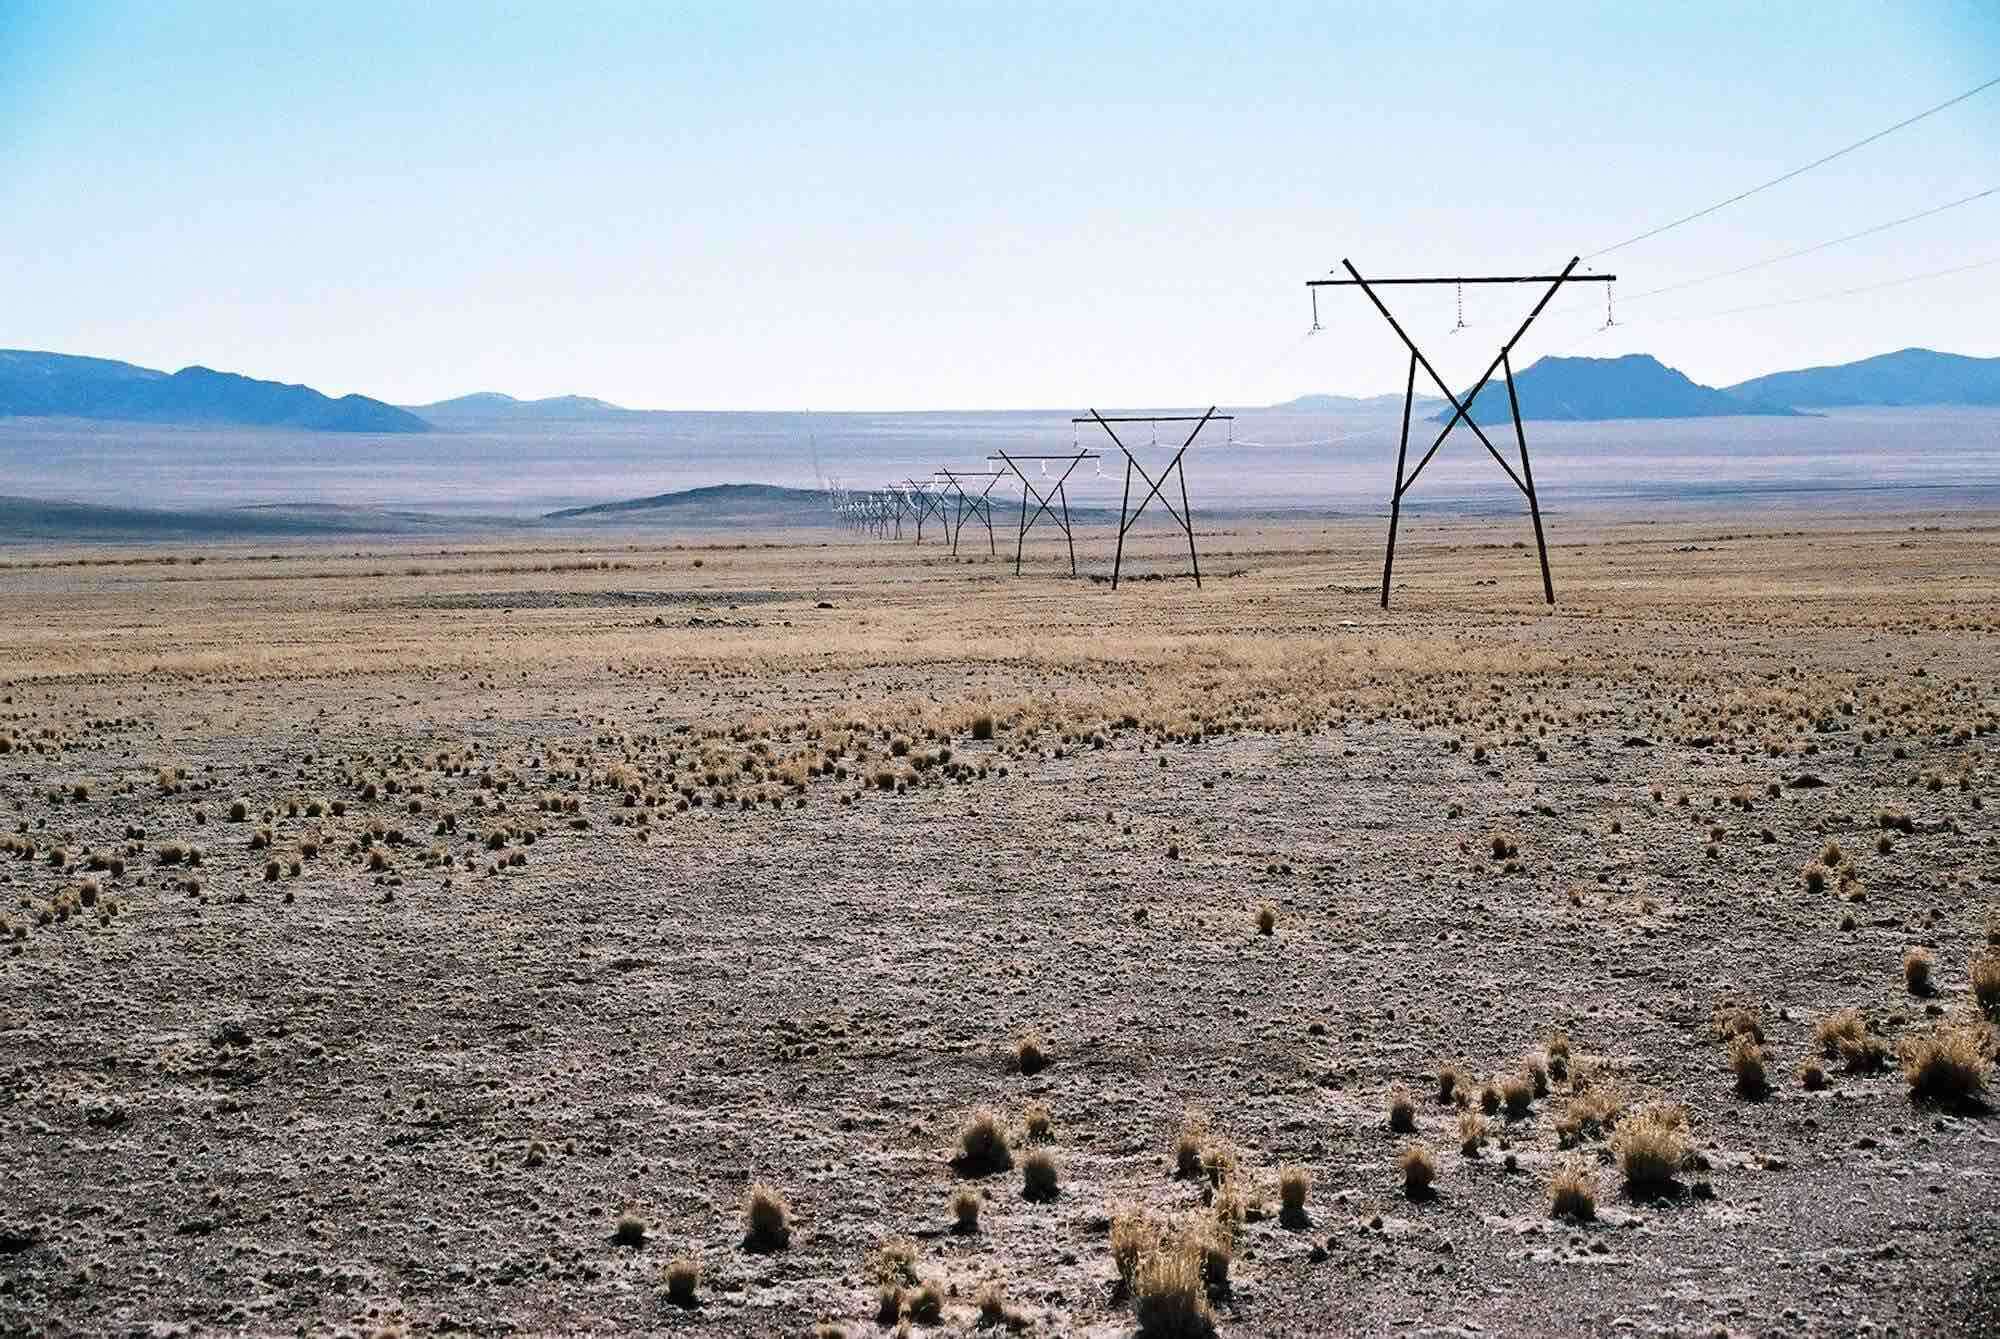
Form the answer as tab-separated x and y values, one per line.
1787	302
1797	171
1820	246
1848	292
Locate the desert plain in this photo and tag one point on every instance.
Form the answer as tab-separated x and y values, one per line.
810	933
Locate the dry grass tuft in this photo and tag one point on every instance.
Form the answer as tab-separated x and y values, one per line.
1844	1035
1518	1091
1038	1176
1984	973
1746	1061
1170	1294
1812	1075
965	1212
925	1304
683	1279
1402	1110
1951	1063
1188	1144
1471	1133
1450	1081
1132	1235
1267	918
767	1219
1031	1053
1650	1146
1294	1184
630	1232
1035	1118
982	1145
1734	1020
1419	1170
1917	965
1573	1191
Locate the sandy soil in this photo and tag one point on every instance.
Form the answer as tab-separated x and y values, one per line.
617	917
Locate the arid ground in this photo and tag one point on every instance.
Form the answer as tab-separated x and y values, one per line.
416	941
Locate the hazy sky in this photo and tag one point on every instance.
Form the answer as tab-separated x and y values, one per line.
939	205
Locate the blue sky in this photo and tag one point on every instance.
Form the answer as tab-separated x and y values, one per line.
938	205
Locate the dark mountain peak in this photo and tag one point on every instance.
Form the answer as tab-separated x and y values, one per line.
1631	385
61	385
1906	377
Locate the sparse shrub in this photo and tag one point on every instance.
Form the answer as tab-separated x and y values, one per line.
1732	1021
1031	1053
1169	1293
1746	1060
965	1212
1132	1235
1950	1063
982	725
1573	1192
1650	1146
1812	1075
982	1145
767	1219
1038	1176
1984	972
1518	1093
1449	1080
1294	1184
683	1278
1267	918
925	1304
1188	1145
1917	964
1471	1133
1402	1110
1419	1170
1036	1119
630	1232
1489	1098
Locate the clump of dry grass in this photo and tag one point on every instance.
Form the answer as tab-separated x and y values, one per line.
965	1212
1557	1051
1746	1061
1734	1020
683	1279
1188	1143
1132	1235
1471	1133
1419	1170
1650	1146
1519	1094
925	1304
767	1219
1951	1063
1035	1118
1038	1176
1917	965
1450	1081
991	1301
982	1145
1267	918
1169	1292
1573	1191
630	1232
1294	1184
1984	973
1031	1053
1489	1098
1402	1110
1812	1075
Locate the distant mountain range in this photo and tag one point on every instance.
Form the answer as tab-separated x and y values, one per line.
1637	385
491	407
59	385
1906	377
1336	403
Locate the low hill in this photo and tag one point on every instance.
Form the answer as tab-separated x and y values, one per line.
39	519
1341	403
484	407
717	504
1636	385
1906	377
57	385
